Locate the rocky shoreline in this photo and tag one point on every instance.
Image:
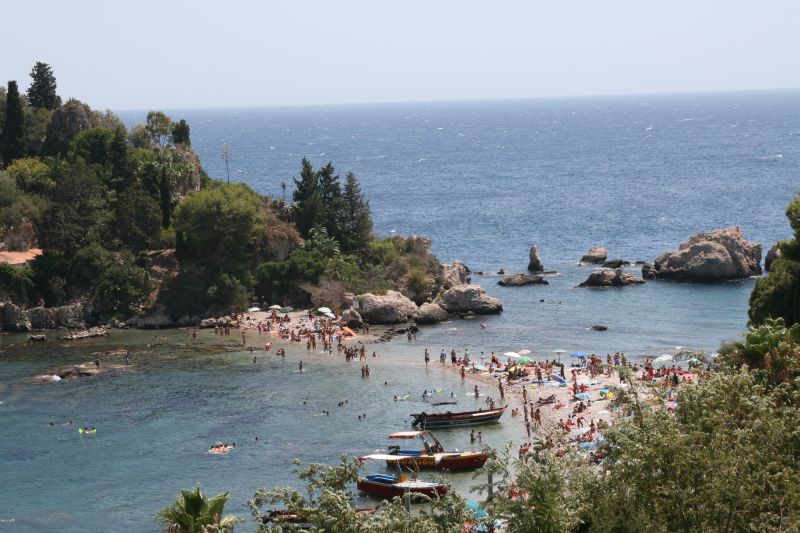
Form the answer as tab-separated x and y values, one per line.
718	255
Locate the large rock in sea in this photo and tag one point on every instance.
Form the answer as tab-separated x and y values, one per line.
453	275
389	308
773	254
648	271
429	313
717	255
469	298
596	255
616	263
518	280
611	278
534	263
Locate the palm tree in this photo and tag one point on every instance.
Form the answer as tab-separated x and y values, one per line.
193	512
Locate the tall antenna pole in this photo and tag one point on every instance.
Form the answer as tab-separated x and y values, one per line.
226	156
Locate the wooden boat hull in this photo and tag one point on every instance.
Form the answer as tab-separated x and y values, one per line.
385	487
453	461
466	418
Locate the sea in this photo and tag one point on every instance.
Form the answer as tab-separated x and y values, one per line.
484	181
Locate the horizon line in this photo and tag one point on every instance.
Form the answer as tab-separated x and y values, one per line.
465	100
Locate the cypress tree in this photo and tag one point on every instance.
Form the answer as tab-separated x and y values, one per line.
308	206
42	92
332	204
356	225
14	146
166	200
118	157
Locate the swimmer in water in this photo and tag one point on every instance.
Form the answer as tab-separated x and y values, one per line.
301	366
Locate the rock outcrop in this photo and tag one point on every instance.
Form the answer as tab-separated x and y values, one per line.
453	275
99	331
71	316
773	254
596	255
717	255
648	271
351	318
534	263
157	318
469	298
518	280
611	278
389	308
14	319
616	263
429	313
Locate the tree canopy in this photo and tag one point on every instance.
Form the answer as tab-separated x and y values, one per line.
14	145
777	295
42	91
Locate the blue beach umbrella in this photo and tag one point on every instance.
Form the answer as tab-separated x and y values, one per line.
579	354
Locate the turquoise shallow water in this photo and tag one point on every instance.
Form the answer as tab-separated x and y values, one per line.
156	422
483	180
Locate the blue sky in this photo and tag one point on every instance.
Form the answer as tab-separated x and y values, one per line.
182	54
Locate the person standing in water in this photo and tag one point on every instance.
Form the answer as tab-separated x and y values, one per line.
427	357
301	366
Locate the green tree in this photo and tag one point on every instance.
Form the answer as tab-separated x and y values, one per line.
180	133
194	512
31	175
14	145
118	158
36	121
78	214
308	206
140	137
42	92
159	126
92	145
771	346
165	199
16	283
778	293
725	461
356	223
138	219
221	228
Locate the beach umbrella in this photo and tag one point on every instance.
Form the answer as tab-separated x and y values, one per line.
254	310
579	354
330	315
583	396
287	309
524	352
512	355
559	351
275	307
666	358
524	360
323	310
